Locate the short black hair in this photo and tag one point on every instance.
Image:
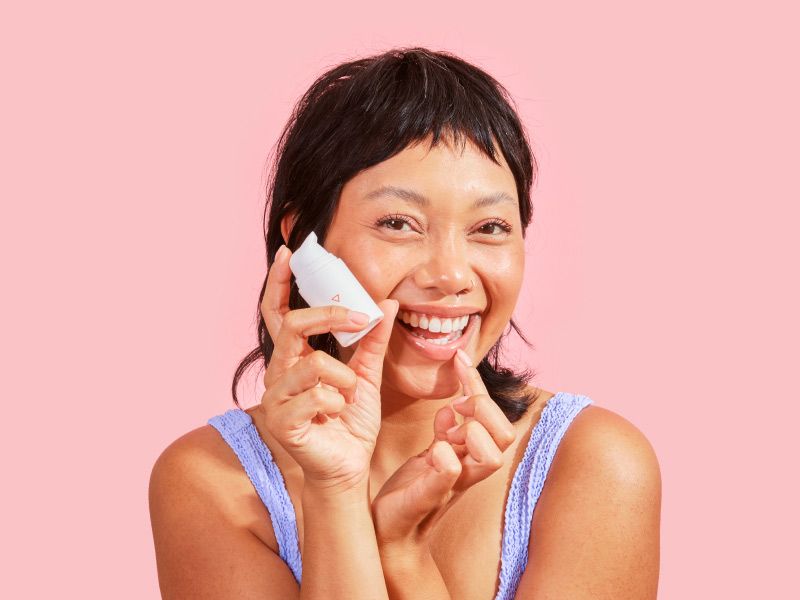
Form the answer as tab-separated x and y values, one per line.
360	113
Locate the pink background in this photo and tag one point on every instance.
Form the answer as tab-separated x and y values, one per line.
661	277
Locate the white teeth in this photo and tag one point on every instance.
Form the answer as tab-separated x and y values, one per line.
442	340
432	323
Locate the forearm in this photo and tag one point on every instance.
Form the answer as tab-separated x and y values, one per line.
411	573
340	552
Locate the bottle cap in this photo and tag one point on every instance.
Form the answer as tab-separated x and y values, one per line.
308	256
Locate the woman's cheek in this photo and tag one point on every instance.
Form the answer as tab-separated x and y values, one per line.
379	272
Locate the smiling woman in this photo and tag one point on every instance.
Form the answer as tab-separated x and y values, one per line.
413	454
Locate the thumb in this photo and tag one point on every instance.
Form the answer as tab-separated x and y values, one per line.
367	360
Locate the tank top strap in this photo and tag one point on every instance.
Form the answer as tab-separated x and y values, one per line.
526	486
238	430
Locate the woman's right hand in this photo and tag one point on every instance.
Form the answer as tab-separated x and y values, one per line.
422	490
324	413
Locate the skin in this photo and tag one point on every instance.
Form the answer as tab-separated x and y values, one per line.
595	532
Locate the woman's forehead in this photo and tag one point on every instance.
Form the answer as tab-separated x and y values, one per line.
434	170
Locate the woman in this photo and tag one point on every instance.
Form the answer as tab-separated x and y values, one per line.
360	474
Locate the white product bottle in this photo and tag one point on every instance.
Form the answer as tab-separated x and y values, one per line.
323	279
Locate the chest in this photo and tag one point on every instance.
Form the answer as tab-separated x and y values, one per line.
466	543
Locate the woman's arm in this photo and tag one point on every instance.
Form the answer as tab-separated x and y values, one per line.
340	553
203	545
595	530
205	549
412	574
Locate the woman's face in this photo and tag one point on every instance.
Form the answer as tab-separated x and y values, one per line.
440	232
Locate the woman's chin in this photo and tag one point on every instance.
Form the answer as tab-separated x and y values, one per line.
437	381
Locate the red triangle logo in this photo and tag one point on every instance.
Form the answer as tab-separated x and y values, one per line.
336	298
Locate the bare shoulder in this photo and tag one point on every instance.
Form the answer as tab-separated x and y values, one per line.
596	528
195	470
202	510
611	442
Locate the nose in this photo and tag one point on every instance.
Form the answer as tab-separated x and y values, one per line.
446	267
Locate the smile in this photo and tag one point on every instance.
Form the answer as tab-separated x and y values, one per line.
436	336
437	330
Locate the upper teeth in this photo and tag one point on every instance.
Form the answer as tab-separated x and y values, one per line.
432	323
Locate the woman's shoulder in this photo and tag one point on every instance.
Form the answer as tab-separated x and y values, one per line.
204	511
611	441
199	453
603	496
198	473
598	432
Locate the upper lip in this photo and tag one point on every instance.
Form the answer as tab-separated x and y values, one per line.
441	310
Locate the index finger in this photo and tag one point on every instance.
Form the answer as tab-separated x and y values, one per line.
300	323
276	295
468	375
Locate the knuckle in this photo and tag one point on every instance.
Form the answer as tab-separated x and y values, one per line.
352	378
508	436
290	320
453	470
316	360
494	460
316	394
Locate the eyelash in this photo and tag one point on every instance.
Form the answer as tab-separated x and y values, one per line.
505	226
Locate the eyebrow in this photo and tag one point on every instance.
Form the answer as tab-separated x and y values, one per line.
420	200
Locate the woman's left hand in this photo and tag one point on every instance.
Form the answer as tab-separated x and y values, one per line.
416	496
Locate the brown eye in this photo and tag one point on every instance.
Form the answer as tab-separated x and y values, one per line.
394	223
491	227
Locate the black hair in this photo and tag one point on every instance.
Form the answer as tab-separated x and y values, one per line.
360	113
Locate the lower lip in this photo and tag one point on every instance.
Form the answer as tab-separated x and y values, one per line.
441	351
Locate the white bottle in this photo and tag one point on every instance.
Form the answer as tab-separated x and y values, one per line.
323	279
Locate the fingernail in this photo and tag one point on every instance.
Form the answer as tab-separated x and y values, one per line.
464	357
359	318
460	400
452	429
281	251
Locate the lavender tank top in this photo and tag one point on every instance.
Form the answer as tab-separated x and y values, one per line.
238	430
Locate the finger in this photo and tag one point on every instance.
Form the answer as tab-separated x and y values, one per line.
483	452
310	405
444	461
367	360
314	369
300	323
275	302
443	420
437	485
468	375
485	410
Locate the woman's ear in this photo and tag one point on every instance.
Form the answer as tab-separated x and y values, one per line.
287	223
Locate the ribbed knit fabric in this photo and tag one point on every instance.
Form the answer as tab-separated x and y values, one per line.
527	484
238	430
